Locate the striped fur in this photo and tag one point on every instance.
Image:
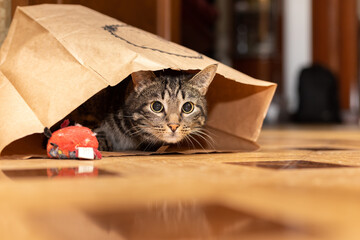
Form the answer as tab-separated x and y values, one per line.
136	126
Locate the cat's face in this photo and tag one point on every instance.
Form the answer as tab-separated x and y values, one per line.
168	108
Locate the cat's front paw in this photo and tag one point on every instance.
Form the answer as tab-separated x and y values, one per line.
104	144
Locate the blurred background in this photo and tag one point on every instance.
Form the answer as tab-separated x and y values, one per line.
310	48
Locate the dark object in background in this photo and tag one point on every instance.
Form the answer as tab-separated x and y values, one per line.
198	25
318	96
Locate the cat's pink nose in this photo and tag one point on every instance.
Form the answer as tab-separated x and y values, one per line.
173	126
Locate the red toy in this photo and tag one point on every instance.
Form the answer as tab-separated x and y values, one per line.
72	142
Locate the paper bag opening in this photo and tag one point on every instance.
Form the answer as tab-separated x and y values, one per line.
56	57
230	106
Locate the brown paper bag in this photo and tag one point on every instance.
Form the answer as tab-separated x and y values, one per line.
55	57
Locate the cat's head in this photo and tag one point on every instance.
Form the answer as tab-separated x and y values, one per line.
168	108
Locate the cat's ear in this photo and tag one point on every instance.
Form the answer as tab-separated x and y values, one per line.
142	79
202	79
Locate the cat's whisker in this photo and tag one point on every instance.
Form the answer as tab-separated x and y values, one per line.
138	128
131	129
148	121
204	130
205	135
192	137
139	144
144	141
139	132
206	140
189	142
186	141
136	133
189	139
151	144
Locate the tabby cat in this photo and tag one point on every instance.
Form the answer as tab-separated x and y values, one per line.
156	110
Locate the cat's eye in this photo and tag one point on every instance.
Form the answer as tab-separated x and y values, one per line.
156	106
188	107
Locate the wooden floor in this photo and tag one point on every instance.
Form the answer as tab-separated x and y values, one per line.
304	183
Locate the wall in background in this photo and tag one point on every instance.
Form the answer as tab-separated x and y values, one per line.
297	46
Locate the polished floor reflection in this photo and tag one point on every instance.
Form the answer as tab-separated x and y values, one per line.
172	221
303	183
291	164
67	172
192	221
